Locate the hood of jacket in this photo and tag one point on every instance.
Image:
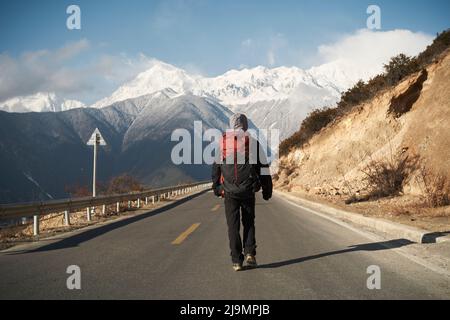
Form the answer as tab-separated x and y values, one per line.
239	121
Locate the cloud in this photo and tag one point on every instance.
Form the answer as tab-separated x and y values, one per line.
71	50
41	70
371	49
52	71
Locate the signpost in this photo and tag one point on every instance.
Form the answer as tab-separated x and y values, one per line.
95	140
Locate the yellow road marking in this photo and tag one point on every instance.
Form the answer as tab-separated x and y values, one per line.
185	234
216	207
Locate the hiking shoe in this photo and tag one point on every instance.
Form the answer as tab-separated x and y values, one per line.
251	261
237	266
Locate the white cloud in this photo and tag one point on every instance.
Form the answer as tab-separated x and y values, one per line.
369	49
71	50
50	71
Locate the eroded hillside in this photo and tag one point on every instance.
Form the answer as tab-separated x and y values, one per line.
409	122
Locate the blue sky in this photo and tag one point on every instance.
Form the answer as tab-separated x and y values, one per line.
204	36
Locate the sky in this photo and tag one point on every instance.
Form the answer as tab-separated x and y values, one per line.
208	37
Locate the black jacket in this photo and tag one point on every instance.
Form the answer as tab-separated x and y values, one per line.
243	189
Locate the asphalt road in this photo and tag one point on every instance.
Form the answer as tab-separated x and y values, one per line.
181	252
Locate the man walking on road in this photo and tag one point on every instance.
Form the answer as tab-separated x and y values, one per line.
237	176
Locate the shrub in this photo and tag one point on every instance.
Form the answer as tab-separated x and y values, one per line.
399	67
313	123
439	45
436	188
124	184
78	191
387	177
358	93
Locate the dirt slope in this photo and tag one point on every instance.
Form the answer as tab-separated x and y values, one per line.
332	163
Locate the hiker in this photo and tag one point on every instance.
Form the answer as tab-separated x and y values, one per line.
236	176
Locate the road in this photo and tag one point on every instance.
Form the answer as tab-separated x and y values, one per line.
181	252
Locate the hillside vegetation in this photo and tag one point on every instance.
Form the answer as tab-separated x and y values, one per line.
396	70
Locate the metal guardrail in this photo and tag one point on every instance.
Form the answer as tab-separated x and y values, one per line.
37	209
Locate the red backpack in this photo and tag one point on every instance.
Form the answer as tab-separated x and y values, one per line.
238	175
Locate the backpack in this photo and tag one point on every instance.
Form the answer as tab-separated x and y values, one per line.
239	176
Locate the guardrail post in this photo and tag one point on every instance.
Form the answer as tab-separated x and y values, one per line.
139	203
104	209
66	218
146	200
36	225
118	207
88	213
129	204
153	200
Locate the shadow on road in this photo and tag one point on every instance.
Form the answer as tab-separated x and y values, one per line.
376	246
75	240
431	237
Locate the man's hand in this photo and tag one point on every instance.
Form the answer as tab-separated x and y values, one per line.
218	191
267	196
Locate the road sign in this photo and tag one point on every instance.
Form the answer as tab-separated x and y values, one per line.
96	139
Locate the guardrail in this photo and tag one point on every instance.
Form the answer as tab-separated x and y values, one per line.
37	209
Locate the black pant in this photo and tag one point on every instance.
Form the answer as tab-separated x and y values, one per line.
233	209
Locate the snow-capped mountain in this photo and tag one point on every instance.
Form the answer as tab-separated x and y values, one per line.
159	77
235	87
40	102
273	98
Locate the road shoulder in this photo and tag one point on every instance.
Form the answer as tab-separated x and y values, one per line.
434	255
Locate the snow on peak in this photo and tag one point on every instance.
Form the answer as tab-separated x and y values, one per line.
39	102
160	76
235	87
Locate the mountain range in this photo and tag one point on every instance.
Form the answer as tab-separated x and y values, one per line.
43	151
273	98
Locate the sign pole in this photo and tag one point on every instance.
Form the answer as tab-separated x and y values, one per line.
95	167
95	140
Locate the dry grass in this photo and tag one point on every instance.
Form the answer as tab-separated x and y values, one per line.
435	188
387	177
